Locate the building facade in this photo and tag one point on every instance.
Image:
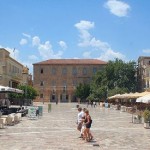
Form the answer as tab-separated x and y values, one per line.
12	73
147	78
56	79
143	73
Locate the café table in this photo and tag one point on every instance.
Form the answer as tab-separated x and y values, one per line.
2	122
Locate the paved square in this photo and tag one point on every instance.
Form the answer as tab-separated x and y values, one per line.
56	130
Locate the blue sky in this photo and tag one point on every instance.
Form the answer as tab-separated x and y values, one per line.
101	29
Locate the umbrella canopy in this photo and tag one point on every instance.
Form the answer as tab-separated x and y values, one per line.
136	95
114	96
19	91
144	99
129	95
6	89
124	96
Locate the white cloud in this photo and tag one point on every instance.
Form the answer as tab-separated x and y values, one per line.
26	35
75	58
45	50
83	27
118	8
146	50
110	54
87	54
23	41
87	40
62	44
99	44
33	57
35	41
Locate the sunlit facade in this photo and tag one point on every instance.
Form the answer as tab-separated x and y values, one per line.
56	79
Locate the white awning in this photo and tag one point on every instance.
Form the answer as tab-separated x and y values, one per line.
143	99
7	89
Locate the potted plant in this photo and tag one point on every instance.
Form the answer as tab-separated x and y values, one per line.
140	118
146	116
137	119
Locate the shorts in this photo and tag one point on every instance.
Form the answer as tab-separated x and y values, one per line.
88	125
79	126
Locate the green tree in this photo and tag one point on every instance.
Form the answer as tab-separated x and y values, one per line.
98	88
121	75
82	91
116	78
29	93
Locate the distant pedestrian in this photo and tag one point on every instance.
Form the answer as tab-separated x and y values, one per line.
37	112
94	104
87	104
49	108
56	102
91	103
77	106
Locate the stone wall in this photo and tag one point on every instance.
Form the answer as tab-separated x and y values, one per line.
58	82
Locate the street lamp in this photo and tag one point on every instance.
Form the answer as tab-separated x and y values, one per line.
25	93
43	92
106	100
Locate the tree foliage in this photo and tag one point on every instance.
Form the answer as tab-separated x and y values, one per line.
82	91
117	77
29	92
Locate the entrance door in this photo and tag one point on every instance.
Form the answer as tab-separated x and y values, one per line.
53	98
64	98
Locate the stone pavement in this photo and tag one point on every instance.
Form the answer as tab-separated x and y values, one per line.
56	130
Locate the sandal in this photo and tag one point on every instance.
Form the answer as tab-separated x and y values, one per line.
87	140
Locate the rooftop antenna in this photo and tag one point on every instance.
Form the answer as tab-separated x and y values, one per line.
14	52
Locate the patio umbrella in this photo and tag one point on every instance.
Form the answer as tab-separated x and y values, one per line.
137	95
143	99
19	91
132	95
114	96
123	96
6	89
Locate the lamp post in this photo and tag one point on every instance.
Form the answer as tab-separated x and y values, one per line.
43	93
106	94
25	93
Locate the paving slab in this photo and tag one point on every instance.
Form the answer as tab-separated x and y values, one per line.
56	130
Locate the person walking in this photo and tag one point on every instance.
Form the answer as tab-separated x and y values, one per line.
87	104
91	103
87	122
94	103
80	120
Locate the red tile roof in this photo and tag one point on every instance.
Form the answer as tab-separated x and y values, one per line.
72	62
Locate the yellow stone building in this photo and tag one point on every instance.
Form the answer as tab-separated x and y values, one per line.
12	73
